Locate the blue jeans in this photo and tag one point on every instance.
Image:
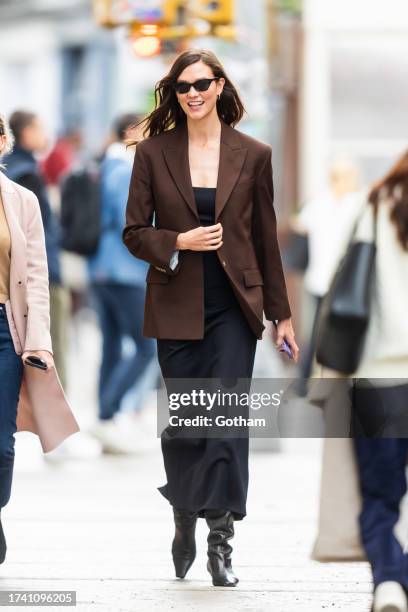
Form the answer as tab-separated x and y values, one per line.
381	465
120	309
11	372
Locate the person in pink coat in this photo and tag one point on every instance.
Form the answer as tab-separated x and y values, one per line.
31	399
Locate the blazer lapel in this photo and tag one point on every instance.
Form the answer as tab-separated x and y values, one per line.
176	156
232	158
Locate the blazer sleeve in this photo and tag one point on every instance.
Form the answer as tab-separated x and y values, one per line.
143	240
264	233
38	298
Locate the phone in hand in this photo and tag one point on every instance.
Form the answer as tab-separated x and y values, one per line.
36	362
284	348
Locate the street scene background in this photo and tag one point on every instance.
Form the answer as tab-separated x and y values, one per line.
324	82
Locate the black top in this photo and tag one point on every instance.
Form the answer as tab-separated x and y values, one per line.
214	274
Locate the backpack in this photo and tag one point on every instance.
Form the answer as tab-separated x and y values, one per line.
81	211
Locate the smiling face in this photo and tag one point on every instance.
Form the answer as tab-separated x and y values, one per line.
198	105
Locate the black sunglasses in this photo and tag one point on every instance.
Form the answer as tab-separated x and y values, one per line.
183	87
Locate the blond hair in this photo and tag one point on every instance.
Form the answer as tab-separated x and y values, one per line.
5	131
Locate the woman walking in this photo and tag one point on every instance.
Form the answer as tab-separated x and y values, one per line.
381	463
215	268
371	486
31	399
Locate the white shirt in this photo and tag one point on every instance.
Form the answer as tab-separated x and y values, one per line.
328	222
386	347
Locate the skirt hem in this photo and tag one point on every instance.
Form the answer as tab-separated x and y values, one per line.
238	516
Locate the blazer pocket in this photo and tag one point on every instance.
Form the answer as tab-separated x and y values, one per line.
155	276
252	277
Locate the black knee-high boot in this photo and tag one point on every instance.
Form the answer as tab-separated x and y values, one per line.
221	524
3	545
184	547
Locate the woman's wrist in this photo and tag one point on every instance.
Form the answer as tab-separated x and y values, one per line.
179	242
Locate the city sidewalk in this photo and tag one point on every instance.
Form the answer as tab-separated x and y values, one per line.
100	527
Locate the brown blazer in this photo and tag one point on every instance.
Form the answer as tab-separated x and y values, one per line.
161	193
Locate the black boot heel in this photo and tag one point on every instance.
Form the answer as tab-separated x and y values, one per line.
221	524
184	547
182	566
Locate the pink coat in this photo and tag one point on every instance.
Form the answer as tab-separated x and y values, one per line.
43	408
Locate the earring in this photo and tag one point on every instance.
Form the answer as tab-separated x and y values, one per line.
218	97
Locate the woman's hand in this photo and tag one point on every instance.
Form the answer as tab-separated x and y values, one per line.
201	239
284	331
44	355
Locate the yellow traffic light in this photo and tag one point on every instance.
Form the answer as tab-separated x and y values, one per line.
170	19
145	39
102	13
174	12
146	46
111	13
216	12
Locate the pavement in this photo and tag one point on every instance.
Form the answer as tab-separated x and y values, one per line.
97	525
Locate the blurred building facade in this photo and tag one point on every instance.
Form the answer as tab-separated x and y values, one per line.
318	79
54	61
354	87
57	61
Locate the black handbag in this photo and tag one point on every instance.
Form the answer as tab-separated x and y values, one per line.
295	255
345	311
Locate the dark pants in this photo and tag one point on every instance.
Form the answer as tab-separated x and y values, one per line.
11	371
120	309
382	464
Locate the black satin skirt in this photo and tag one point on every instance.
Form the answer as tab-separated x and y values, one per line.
207	472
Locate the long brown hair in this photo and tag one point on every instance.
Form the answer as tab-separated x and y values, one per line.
395	186
168	113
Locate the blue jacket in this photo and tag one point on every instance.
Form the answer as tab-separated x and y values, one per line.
22	168
113	262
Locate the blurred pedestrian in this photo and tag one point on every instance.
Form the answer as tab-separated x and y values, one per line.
30	399
60	161
327	220
377	472
214	267
118	286
23	168
62	157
